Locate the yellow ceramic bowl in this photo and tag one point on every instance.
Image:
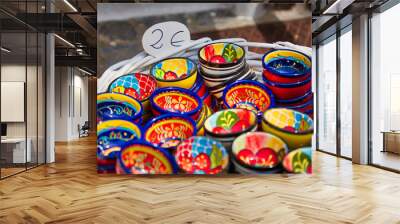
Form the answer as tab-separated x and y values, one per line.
175	72
293	127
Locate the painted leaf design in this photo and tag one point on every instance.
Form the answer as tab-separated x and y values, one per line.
304	125
227	119
159	73
215	157
209	52
300	162
229	53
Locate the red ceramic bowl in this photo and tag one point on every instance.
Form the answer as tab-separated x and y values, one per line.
248	94
282	79
289	91
177	101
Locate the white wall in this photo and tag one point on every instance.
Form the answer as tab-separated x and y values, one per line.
71	93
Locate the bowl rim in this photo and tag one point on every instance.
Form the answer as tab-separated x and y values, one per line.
287	85
164	152
166	116
295	99
285	148
192	72
178	89
310	131
251	82
212	134
104	125
307	103
138	113
209	139
225	65
135	73
292	74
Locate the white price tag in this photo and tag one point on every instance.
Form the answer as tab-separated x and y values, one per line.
166	36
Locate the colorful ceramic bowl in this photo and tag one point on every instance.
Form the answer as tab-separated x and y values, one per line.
111	106
305	105
221	55
289	91
230	122
293	127
298	161
112	134
259	150
168	130
178	72
219	82
239	168
248	94
137	85
140	157
199	87
202	119
286	66
176	100
201	155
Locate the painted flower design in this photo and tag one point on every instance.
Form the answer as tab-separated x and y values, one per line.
179	104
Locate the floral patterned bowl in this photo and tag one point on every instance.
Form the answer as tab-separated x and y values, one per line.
286	66
168	130
298	161
176	100
112	106
259	150
201	155
140	157
293	127
230	122
112	134
137	85
221	55
178	72
248	94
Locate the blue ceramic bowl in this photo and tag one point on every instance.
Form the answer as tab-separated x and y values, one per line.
112	134
168	130
285	66
115	106
141	157
176	100
289	91
248	94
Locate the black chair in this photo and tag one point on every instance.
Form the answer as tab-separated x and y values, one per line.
84	130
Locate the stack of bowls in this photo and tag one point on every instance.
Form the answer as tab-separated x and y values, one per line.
137	85
201	155
168	130
140	157
177	101
287	74
248	94
222	64
258	152
111	135
226	125
293	127
175	72
201	90
116	106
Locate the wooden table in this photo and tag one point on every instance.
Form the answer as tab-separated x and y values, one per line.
391	141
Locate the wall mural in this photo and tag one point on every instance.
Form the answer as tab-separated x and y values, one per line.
205	106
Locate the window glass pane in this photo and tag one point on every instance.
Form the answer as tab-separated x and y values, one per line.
346	94
385	84
327	96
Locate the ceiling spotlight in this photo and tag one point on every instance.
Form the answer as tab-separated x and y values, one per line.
70	5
